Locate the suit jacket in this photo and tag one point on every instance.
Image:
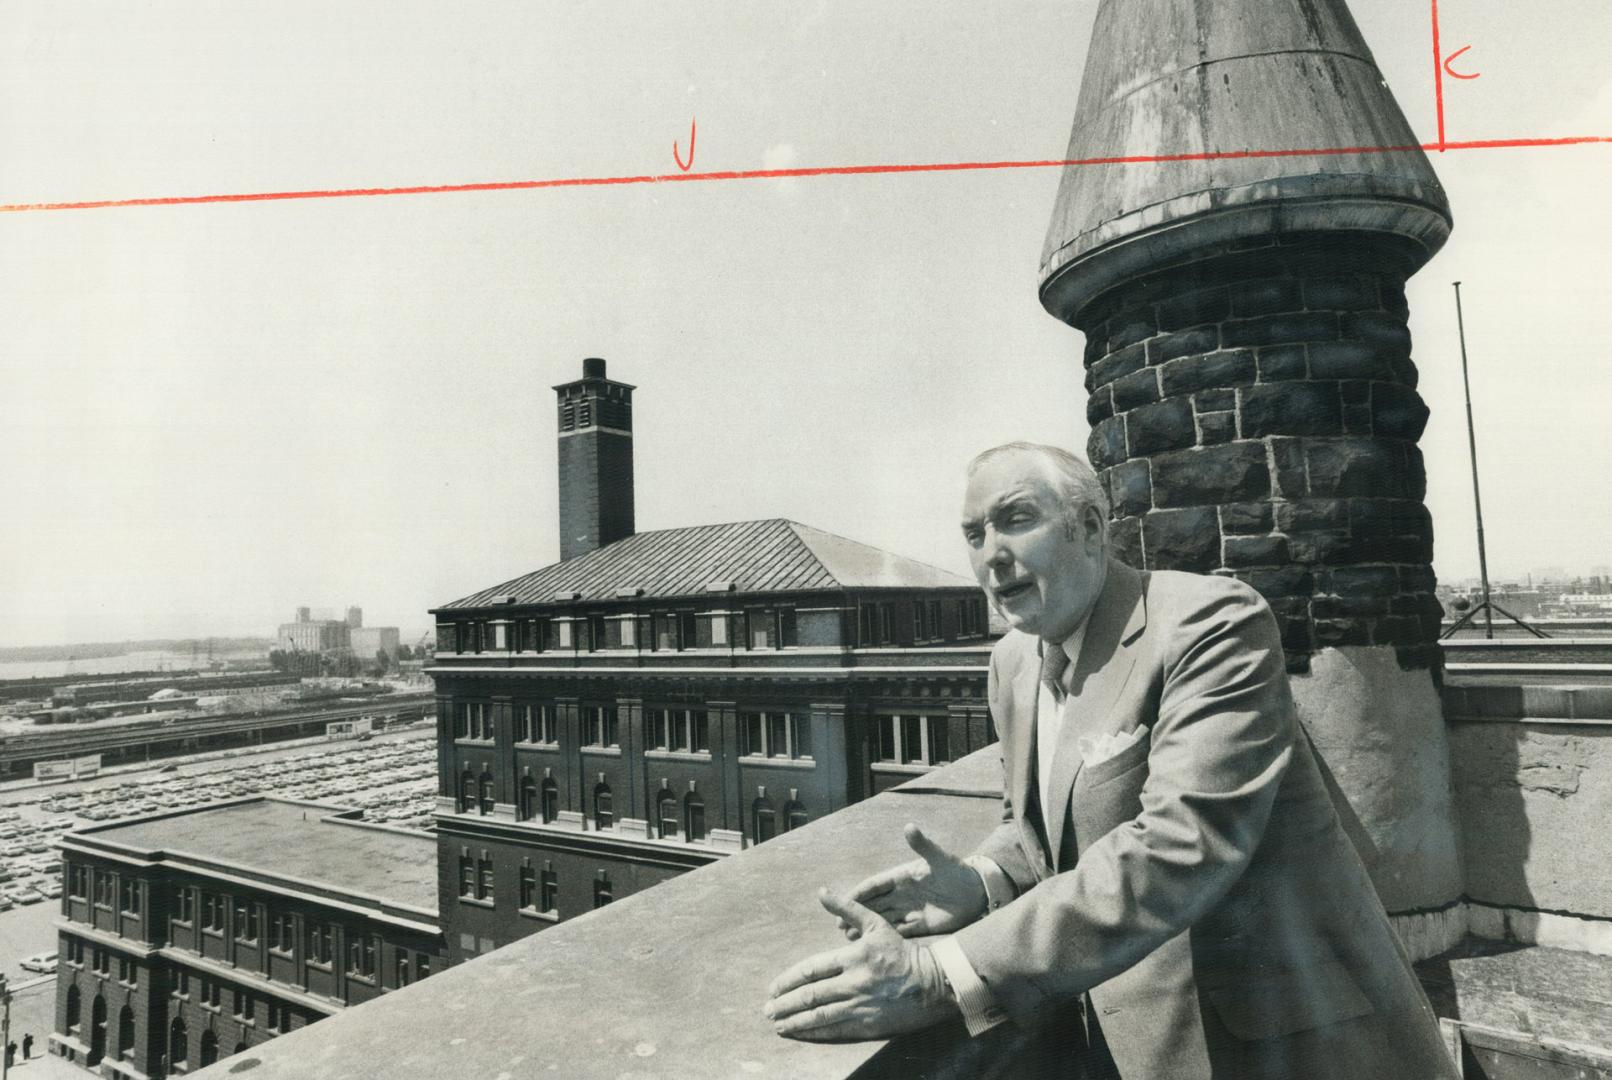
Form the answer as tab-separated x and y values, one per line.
1198	884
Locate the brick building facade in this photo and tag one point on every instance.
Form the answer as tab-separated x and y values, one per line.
593	746
657	700
180	945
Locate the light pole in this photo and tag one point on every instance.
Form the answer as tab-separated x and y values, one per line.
1488	606
1472	446
5	1027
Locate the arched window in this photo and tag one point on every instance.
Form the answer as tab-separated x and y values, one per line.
668	815
74	1007
794	815
126	1033
97	1031
486	793
693	818
209	1048
178	1042
764	821
467	792
604	813
528	800
551	800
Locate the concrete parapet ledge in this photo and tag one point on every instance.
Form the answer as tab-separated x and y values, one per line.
1532	704
668	982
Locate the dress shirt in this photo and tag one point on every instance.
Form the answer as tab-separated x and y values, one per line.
1050	715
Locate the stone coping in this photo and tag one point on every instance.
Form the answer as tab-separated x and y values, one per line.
668	982
1541	704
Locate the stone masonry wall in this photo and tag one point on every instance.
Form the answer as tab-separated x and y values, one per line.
1255	413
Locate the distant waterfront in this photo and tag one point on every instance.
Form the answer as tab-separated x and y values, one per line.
153	660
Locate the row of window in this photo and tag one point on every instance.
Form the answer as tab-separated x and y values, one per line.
535	802
762	734
914	739
319	937
911	739
125	1046
540	889
674	819
101	962
887	622
537	724
243	1004
179	1044
670	631
277	1020
82	882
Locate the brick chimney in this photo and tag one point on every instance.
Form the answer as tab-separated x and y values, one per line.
595	430
1252	397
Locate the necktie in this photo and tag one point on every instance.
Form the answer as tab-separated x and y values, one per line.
1054	661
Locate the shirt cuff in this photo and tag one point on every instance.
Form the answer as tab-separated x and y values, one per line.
981	1013
999	888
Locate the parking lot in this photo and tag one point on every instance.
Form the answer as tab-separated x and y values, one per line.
392	777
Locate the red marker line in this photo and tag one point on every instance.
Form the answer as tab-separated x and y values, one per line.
1438	79
825	170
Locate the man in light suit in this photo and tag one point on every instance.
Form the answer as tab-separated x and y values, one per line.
1169	859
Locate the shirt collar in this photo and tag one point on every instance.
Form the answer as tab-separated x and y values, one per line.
1072	643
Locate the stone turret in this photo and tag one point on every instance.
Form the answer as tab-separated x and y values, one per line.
1253	403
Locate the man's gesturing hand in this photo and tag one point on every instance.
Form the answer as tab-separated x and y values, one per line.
881	986
935	893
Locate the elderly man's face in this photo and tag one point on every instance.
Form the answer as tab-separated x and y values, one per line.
1042	574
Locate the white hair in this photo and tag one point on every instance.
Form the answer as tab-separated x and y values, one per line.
1076	480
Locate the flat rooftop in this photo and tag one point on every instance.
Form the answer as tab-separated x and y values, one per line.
291	841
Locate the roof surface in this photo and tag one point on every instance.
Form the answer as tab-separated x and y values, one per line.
1197	84
772	555
293	840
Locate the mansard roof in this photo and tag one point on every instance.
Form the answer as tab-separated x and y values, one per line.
771	555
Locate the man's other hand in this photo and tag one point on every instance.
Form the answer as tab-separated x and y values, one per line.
935	893
880	986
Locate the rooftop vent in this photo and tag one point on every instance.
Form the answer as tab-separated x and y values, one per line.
630	590
568	594
721	586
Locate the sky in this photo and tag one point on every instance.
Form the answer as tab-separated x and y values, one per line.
216	413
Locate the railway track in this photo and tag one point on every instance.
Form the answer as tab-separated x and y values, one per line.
19	753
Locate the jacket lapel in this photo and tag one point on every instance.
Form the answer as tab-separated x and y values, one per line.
1100	674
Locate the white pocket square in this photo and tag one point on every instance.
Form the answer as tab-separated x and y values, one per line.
1107	745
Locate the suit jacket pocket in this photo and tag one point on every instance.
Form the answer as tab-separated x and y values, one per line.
1121	763
1268	1005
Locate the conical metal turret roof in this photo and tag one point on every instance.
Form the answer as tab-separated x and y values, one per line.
1226	77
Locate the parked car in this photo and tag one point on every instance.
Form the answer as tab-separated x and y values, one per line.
44	963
